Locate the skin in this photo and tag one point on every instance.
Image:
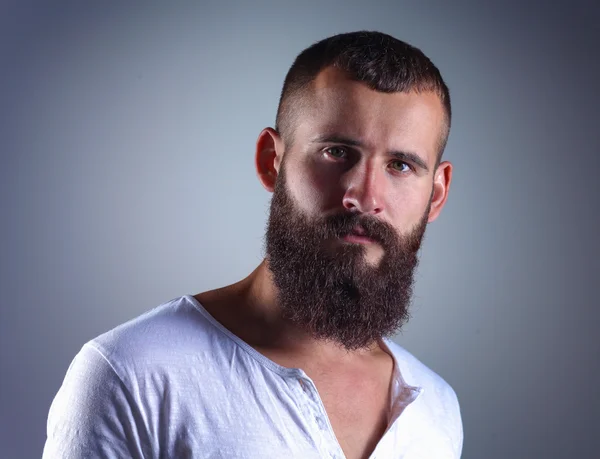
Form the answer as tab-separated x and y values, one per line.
358	150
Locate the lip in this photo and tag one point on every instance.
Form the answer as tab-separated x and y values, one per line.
356	239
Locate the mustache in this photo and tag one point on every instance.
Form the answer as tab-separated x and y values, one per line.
339	225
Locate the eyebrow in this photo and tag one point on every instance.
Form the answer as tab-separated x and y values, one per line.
401	155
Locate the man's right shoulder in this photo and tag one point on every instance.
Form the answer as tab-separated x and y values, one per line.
113	394
168	331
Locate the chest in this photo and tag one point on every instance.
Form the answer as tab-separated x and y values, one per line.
214	413
358	410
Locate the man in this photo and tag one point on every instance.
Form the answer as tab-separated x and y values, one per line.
295	360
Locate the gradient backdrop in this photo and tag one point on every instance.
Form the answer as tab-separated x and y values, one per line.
127	138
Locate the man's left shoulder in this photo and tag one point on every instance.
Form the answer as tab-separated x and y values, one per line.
436	394
435	412
416	373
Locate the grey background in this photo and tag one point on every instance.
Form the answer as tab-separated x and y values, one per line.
127	136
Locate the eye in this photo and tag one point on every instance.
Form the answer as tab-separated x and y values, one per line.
401	166
336	152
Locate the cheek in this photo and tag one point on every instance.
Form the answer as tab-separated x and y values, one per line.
407	205
315	188
323	182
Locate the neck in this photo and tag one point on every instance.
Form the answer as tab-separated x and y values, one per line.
249	308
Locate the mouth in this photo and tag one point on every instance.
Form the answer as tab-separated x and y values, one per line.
358	236
356	239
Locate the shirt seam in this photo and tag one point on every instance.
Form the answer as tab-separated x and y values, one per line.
261	359
95	346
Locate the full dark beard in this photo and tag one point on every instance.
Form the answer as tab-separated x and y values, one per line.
334	293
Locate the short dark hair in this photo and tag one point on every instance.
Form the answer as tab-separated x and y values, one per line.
383	62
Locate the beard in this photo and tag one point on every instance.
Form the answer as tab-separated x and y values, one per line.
333	292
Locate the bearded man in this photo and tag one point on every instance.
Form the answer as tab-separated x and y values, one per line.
296	359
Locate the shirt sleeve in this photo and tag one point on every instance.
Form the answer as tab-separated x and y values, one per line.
94	415
457	426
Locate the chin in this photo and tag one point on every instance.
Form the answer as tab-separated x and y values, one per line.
374	258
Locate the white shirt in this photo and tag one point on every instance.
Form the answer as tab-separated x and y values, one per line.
175	383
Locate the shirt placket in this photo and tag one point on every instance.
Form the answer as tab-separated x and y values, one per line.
317	416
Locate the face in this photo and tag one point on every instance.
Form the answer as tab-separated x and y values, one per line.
366	152
351	202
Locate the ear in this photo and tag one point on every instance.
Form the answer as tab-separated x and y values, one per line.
269	153
441	186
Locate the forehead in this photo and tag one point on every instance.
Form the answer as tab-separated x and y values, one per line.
381	121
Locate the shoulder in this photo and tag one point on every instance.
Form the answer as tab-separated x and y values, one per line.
148	347
113	393
170	329
415	372
437	399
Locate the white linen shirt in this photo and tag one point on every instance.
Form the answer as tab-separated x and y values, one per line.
175	383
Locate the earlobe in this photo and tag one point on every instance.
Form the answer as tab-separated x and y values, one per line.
269	149
441	187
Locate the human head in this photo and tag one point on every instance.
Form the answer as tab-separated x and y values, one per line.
381	61
361	162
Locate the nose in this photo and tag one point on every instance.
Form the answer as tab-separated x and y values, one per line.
364	189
